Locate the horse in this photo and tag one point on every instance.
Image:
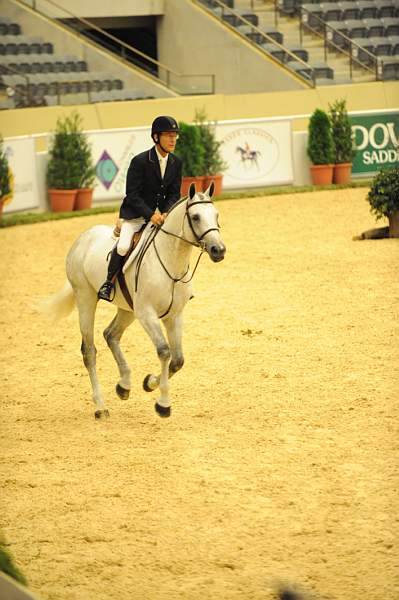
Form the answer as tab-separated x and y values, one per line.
247	154
159	282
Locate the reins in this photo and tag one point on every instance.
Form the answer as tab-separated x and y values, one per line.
198	244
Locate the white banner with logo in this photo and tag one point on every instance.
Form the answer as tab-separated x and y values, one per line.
258	152
21	155
112	153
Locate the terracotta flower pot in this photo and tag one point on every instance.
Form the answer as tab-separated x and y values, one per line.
84	198
217	180
342	173
394	224
322	174
185	185
62	200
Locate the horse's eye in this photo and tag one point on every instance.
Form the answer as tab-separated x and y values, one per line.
196	218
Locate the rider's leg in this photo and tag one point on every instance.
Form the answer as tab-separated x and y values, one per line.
128	230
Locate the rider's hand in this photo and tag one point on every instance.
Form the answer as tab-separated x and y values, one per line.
157	219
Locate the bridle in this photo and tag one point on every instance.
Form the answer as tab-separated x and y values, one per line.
199	243
199	239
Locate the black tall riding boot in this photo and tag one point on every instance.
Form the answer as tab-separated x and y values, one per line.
115	263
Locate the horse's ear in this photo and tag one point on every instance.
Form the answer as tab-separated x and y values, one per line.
191	191
210	190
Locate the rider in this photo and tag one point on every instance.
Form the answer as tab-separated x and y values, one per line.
152	187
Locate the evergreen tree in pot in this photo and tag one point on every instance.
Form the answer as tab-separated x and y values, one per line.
213	162
320	147
64	167
5	178
384	198
189	148
84	194
343	141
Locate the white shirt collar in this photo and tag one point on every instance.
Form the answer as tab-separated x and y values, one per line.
160	157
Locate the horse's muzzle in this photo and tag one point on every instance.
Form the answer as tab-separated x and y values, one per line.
217	252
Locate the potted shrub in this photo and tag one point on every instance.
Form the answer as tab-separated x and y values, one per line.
343	142
189	149
84	195
5	178
384	198
320	147
63	168
213	163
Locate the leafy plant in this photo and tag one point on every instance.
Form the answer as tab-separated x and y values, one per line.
213	162
70	164
320	141
5	173
190	149
384	193
341	133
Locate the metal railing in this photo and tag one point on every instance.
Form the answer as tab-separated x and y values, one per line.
308	74
160	72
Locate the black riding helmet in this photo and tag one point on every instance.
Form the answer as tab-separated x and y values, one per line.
164	124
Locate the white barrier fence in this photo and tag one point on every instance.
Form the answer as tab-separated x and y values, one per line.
258	153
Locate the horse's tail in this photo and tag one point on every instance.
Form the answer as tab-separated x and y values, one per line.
59	305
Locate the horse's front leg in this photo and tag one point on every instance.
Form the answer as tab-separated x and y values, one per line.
112	335
151	324
174	328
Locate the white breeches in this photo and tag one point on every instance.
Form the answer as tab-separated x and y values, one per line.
128	229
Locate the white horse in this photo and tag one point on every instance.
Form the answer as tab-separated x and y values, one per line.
159	282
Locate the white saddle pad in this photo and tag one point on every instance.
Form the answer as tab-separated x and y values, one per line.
144	236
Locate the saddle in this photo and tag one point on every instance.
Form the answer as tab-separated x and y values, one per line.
128	258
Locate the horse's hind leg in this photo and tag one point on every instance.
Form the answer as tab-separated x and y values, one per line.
87	303
112	335
173	328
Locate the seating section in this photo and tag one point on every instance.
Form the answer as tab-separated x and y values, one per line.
32	74
372	26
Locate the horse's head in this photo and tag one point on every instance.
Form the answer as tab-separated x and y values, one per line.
202	217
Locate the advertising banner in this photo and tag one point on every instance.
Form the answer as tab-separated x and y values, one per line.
112	152
21	155
257	153
377	142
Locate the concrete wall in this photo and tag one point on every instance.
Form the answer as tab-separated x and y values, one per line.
109	115
93	8
65	42
191	40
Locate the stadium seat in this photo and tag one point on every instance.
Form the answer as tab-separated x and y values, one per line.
382	46
301	69
360	54
349	11
391	25
356	29
299	51
277	53
331	11
386	8
368	10
323	71
390	69
394	39
375	27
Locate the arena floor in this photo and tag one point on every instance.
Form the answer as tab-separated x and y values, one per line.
280	460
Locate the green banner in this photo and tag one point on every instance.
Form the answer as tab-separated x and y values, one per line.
377	142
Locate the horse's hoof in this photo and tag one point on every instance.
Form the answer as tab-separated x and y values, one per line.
146	383
163	411
122	392
101	414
